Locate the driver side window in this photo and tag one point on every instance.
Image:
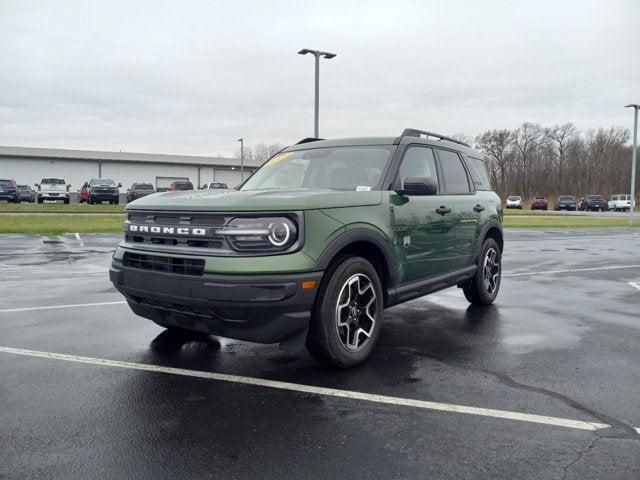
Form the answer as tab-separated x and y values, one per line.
417	162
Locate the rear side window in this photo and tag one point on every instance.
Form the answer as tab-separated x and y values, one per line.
478	170
417	162
455	176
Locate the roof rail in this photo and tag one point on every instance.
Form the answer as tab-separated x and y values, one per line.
309	139
412	132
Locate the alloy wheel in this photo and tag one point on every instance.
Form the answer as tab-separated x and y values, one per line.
356	312
491	271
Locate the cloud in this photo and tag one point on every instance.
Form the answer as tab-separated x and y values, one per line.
176	77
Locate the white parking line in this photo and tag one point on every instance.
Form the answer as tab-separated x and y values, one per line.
635	284
330	392
569	270
79	239
53	307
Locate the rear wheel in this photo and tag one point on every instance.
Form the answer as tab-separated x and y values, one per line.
485	285
347	315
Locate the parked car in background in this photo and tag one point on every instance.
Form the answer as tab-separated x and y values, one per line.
27	194
514	201
139	190
83	195
215	186
620	203
593	203
566	202
9	190
539	203
180	185
103	190
53	189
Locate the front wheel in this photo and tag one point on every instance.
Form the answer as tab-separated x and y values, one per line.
346	319
485	285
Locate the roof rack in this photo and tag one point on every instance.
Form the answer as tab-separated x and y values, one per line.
309	139
412	132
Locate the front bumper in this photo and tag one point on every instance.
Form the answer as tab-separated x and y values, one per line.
255	308
53	196
103	196
9	196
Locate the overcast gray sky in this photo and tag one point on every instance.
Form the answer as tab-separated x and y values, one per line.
192	77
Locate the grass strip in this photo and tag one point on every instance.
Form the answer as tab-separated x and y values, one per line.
59	208
58	224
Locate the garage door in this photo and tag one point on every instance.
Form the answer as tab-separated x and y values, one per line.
163	183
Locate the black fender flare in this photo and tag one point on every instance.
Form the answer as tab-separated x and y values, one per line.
493	222
360	235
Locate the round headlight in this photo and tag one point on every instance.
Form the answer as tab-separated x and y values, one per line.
279	233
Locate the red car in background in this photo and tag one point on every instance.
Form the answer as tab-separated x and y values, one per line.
539	203
83	197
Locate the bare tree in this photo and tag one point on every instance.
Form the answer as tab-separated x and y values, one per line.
498	146
527	140
261	152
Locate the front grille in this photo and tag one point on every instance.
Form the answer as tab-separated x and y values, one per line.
179	266
187	220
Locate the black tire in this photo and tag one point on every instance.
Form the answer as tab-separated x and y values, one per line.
90	201
116	201
334	345
477	291
40	200
66	201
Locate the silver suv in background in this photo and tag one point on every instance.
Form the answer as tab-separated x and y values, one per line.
514	201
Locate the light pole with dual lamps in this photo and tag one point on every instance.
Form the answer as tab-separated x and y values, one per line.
317	54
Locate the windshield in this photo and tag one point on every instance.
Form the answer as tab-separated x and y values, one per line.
333	168
218	185
513	199
53	181
6	182
594	197
567	198
143	186
102	182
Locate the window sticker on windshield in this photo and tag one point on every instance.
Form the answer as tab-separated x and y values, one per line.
363	188
277	158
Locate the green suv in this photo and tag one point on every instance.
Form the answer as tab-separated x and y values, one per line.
316	243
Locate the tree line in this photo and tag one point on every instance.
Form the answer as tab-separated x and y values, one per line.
532	160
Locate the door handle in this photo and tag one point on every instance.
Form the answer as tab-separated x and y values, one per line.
478	208
442	210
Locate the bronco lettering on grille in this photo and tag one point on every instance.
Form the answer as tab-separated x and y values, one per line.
196	232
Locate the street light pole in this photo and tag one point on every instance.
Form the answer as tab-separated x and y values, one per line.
633	159
241	140
317	54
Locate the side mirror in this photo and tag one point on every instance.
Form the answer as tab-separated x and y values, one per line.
119	185
36	185
420	186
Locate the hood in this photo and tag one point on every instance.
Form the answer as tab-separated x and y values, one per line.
254	200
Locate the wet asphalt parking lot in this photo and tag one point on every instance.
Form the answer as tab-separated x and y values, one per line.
544	384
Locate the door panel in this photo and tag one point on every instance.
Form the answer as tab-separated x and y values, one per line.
425	236
467	207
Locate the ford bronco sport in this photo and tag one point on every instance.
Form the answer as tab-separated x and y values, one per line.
316	243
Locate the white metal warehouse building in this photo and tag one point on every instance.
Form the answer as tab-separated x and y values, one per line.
30	165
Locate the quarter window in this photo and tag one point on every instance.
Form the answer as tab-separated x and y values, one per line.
417	162
455	176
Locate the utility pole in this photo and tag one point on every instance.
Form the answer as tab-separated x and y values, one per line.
241	140
633	158
317	54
